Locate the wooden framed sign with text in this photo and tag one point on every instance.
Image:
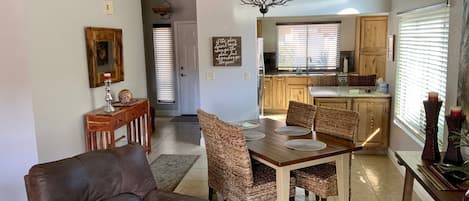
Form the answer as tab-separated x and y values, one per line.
226	51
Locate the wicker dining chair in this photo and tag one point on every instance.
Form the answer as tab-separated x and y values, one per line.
300	114
213	148
244	181
322	179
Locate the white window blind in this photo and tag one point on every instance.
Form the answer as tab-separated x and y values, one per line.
164	64
312	47
421	67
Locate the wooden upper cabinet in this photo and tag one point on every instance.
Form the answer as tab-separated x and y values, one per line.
373	31
259	28
371	45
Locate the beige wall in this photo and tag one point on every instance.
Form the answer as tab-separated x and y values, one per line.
347	29
399	140
58	64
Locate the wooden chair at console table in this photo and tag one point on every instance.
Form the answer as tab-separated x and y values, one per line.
100	126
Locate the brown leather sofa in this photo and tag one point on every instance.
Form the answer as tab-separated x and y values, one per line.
120	174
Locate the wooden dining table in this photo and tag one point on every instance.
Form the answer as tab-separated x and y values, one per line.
273	152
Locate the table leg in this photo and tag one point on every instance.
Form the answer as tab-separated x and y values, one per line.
342	165
283	183
408	186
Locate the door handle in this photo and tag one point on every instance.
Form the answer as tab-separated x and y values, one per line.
182	74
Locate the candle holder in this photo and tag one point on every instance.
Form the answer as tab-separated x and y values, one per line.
431	151
108	97
453	152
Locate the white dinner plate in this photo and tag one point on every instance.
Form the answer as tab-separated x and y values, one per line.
253	135
306	145
292	131
245	124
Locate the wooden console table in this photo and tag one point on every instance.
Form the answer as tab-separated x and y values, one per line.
411	160
100	126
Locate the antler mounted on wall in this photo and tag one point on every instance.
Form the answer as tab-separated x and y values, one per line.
264	4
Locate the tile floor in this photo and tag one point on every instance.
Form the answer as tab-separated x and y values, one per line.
374	177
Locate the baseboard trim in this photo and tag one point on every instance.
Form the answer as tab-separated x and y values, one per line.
418	189
167	113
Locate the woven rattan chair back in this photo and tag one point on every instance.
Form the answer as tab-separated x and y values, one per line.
300	114
214	148
238	172
336	122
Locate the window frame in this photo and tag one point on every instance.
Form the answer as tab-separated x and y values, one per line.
307	67
411	131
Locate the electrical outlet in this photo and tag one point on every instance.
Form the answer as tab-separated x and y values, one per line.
108	7
247	76
210	76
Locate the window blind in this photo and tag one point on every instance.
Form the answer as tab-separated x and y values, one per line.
421	67
308	46
164	64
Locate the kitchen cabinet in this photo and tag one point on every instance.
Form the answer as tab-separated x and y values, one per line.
268	93
337	103
297	89
279	87
371	44
373	126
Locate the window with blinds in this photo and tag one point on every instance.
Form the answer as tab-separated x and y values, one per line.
164	64
308	47
421	66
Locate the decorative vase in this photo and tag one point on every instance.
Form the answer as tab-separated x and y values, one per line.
125	96
453	152
431	151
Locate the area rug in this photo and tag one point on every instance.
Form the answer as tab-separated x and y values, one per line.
169	169
185	118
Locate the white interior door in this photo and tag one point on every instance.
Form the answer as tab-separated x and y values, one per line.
186	57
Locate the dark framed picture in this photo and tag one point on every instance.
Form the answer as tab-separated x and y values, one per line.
226	51
104	54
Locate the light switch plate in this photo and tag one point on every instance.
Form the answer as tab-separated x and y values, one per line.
210	76
108	7
247	76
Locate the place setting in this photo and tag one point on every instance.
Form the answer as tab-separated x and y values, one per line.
300	144
249	133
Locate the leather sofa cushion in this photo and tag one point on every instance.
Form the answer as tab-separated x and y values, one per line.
92	176
156	195
125	197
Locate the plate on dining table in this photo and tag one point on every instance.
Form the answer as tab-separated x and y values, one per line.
245	124
292	130
306	145
250	135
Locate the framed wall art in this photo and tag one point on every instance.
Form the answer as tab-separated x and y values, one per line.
104	54
226	51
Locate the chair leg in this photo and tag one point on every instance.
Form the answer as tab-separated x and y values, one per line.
306	193
318	198
210	193
291	199
323	199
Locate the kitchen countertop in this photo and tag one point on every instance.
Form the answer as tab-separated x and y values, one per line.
346	92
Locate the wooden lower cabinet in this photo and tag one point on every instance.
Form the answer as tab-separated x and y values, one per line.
338	103
278	93
373	126
268	93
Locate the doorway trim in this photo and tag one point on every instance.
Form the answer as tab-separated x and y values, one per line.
178	70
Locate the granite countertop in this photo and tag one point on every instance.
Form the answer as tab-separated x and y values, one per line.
346	92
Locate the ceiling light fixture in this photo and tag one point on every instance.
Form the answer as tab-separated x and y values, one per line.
264	4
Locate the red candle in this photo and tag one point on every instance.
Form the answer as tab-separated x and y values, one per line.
456	112
107	76
432	96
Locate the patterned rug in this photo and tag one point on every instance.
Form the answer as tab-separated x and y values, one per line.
169	169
